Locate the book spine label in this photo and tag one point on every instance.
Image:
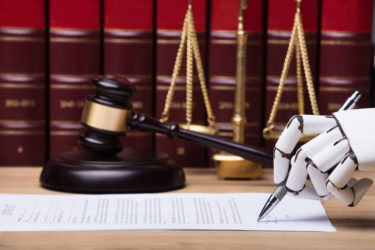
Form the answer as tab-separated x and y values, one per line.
74	61
22	83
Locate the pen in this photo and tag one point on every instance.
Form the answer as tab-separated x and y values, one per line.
280	191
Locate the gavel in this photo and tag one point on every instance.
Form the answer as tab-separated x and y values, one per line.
105	167
108	113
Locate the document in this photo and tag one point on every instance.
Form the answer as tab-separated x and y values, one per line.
165	211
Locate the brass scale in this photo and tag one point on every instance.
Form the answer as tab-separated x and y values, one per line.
230	166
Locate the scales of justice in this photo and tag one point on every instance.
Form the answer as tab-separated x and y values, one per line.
297	45
228	166
105	167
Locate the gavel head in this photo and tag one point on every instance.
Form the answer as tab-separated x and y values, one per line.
105	115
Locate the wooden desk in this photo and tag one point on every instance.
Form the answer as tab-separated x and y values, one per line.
355	226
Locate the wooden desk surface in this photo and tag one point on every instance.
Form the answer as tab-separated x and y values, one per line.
355	226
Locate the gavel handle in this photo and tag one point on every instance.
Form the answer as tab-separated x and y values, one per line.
146	123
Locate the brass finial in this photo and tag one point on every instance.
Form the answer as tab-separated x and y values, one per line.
298	2
242	7
243	4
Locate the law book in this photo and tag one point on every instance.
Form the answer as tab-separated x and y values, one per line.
75	51
22	83
280	23
222	66
129	52
345	53
169	23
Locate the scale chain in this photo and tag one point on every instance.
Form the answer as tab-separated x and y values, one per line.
202	80
300	97
176	69
284	72
189	71
189	36
297	42
306	65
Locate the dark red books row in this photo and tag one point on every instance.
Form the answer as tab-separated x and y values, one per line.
51	49
23	82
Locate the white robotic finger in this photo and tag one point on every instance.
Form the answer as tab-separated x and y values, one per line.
350	195
331	155
316	124
320	142
324	161
344	170
284	147
314	147
298	174
309	124
345	188
290	135
308	153
281	165
289	138
319	180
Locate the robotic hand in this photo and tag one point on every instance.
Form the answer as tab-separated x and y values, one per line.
345	143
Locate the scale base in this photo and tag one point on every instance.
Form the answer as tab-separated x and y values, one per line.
232	167
129	171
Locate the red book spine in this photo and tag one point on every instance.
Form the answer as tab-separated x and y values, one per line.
345	53
22	83
170	16
222	66
280	24
74	61
128	52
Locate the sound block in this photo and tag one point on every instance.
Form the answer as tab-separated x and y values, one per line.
129	171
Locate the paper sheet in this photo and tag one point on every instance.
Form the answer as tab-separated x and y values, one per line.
167	211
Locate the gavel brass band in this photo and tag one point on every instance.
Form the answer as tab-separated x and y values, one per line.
103	117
